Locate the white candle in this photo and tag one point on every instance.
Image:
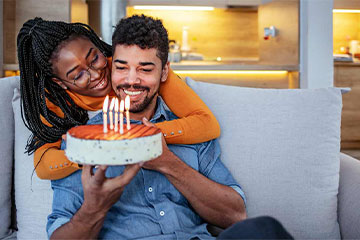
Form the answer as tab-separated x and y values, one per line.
122	117
111	113
116	120
127	107
105	107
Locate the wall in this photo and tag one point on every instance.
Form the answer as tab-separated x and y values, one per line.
1	40
346	27
226	33
283	49
79	11
19	11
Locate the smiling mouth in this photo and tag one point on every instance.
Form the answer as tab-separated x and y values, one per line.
132	93
102	83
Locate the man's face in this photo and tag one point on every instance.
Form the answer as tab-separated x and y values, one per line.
137	72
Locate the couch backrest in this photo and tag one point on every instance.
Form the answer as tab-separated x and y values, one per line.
282	146
6	151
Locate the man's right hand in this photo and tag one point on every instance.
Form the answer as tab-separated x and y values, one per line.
100	193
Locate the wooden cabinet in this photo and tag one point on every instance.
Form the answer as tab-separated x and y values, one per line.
214	3
348	75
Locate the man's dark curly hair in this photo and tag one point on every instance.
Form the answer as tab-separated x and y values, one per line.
143	31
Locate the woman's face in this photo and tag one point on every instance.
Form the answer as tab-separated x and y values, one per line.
82	68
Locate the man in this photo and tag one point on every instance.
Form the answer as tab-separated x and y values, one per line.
171	197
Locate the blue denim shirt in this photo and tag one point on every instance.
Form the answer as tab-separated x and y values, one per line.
150	206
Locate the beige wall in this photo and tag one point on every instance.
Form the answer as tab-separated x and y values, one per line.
79	11
346	27
283	49
16	12
226	33
1	40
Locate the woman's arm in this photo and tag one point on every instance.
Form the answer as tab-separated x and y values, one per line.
51	163
196	124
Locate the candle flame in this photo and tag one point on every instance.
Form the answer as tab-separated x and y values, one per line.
122	106
106	104
112	104
116	105
127	102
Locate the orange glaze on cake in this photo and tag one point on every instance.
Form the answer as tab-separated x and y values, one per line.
95	132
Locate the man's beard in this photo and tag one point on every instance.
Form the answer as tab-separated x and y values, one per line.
139	107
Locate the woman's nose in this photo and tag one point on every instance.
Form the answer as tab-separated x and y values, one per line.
95	74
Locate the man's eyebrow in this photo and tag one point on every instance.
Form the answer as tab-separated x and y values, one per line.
87	55
146	63
120	61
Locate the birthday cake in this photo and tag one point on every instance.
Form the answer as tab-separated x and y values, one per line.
88	144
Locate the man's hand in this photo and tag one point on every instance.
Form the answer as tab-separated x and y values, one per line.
166	157
100	193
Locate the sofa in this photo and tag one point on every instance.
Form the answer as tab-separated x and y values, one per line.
282	146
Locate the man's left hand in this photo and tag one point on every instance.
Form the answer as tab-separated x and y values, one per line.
166	158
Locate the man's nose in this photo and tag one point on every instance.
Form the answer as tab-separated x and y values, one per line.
132	78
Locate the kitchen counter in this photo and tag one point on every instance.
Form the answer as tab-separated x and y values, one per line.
348	64
230	66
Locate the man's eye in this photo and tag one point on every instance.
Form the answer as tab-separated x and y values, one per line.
147	70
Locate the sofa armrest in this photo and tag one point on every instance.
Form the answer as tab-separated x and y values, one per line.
349	197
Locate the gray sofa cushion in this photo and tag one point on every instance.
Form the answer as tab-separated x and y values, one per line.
6	152
33	197
349	197
282	146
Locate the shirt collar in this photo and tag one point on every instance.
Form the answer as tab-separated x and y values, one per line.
162	112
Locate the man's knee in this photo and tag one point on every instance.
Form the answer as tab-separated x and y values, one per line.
256	228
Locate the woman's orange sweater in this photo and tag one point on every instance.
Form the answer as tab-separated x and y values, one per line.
196	124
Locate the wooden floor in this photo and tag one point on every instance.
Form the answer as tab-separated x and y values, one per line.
354	153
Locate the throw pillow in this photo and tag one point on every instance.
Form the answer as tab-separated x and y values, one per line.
282	146
33	196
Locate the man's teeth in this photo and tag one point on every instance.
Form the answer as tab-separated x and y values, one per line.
131	93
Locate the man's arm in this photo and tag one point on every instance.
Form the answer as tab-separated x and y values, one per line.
217	204
100	193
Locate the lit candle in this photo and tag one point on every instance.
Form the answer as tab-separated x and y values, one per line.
122	117
105	107
116	114
111	113
127	107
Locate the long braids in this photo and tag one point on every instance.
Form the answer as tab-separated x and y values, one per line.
36	42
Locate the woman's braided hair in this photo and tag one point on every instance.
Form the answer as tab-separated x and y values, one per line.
38	43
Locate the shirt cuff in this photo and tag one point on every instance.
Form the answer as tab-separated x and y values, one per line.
240	192
56	224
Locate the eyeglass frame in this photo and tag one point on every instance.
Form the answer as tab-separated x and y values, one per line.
87	72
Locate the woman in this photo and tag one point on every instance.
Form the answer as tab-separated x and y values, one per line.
50	107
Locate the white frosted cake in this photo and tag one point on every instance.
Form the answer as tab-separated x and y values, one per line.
87	144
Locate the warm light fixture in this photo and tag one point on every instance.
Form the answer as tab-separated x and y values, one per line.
230	71
177	8
346	10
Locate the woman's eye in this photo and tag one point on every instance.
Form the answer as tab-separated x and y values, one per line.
77	77
120	68
95	59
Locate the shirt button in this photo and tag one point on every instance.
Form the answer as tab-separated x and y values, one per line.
150	189
164	134
172	133
162	213
180	131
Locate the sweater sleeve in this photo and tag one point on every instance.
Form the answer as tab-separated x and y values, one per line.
196	122
51	163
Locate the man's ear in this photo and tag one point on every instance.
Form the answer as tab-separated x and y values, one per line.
60	83
165	72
